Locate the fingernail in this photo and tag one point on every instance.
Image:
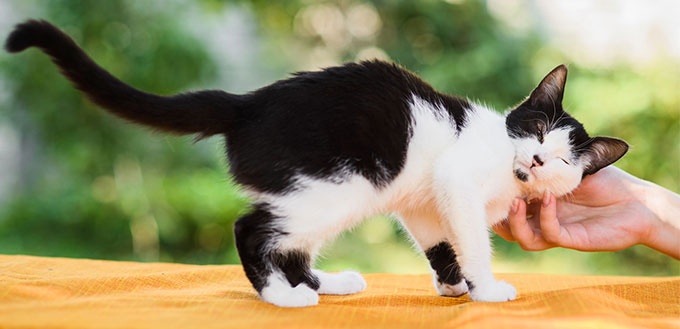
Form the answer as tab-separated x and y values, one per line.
546	198
515	206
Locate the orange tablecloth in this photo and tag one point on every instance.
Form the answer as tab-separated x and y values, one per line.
75	293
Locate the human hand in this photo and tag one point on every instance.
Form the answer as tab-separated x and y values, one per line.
607	212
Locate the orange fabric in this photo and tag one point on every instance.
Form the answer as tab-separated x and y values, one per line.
74	293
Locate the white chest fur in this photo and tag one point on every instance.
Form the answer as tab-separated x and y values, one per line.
478	160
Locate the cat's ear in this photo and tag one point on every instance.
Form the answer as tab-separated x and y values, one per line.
601	152
551	89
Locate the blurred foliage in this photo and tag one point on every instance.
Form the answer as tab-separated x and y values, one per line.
89	185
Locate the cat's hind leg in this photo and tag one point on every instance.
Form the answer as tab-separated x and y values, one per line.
281	276
318	211
277	241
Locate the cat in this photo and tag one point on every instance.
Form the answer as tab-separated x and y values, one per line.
320	151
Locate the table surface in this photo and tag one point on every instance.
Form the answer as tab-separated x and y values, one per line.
79	293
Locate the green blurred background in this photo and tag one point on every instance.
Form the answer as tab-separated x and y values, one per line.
77	182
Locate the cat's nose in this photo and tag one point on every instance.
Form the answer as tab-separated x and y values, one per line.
537	162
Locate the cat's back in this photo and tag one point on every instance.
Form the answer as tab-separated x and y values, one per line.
356	117
338	96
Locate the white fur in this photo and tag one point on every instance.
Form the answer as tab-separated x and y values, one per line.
279	292
321	209
449	290
453	187
497	291
555	175
342	283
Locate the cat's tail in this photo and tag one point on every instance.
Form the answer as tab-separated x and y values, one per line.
206	112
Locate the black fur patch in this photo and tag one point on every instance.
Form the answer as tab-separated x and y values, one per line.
443	261
536	121
521	175
296	266
254	234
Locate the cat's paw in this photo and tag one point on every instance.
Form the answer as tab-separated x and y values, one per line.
450	290
287	296
493	291
342	283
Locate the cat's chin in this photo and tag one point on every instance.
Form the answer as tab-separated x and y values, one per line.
537	193
533	184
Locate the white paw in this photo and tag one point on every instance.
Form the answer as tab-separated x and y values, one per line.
279	292
493	291
342	283
445	289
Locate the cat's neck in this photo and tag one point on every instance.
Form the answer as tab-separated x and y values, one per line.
520	190
489	127
489	156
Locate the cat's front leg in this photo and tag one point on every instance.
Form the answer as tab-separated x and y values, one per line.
427	232
464	213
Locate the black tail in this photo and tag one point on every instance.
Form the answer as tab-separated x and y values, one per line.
207	112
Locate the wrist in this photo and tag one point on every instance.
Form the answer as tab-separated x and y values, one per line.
655	209
645	194
661	208
662	203
665	238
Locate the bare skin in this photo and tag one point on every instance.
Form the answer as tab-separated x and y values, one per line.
609	211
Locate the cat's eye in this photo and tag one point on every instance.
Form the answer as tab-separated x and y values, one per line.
565	161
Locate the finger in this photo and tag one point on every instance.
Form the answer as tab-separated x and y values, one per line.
521	230
503	229
518	222
550	226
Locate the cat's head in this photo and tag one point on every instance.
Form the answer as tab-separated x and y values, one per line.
552	150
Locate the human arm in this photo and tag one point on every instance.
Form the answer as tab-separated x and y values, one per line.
611	210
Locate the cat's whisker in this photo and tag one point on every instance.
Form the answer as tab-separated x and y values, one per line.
560	118
576	147
552	101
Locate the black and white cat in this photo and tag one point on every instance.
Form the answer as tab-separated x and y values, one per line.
320	151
